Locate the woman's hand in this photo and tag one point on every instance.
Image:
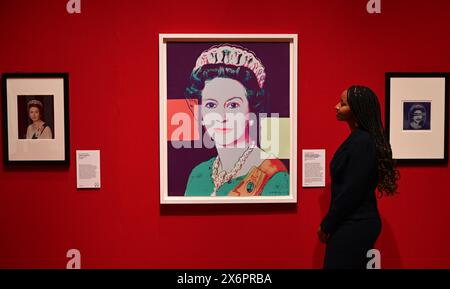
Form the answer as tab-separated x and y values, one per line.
323	237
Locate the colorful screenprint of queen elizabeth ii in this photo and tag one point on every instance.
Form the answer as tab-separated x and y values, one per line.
228	119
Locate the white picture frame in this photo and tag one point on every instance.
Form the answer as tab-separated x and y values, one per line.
166	41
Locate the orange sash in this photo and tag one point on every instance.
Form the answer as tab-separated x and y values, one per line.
253	184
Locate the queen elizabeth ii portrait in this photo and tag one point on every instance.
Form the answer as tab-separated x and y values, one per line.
37	119
416	115
234	93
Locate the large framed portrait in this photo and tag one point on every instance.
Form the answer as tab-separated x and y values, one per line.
228	118
36	118
417	116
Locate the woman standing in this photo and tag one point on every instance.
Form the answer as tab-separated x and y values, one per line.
362	164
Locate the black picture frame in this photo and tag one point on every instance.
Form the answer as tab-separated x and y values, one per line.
444	119
63	158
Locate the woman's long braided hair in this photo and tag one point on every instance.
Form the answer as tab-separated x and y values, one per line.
366	108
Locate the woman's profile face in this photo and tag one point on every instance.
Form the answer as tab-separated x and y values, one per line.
34	113
343	111
224	110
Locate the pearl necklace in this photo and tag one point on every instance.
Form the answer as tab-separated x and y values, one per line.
220	178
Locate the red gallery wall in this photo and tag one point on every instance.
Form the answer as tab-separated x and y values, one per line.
110	51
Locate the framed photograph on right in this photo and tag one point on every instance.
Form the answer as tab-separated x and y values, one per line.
417	116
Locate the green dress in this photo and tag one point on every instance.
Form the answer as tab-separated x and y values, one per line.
200	183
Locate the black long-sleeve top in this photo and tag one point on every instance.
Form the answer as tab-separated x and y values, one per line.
354	178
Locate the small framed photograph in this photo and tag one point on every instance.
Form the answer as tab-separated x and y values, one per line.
36	118
228	118
417	116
